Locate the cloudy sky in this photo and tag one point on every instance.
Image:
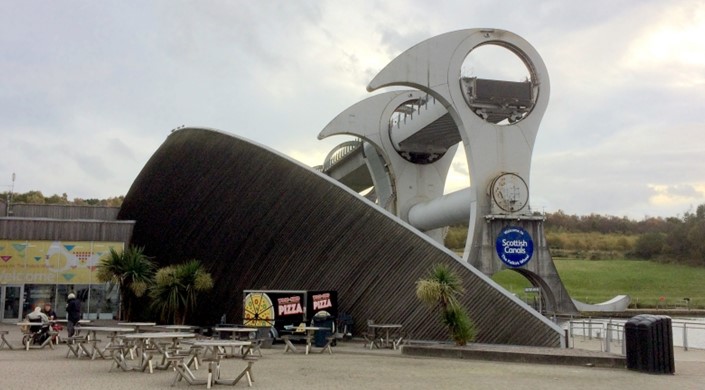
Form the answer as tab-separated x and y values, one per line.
90	89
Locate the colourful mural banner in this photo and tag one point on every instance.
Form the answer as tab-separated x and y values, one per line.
52	262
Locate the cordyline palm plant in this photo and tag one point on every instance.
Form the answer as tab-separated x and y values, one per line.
441	289
131	270
176	290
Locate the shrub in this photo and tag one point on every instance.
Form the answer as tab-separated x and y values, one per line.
649	245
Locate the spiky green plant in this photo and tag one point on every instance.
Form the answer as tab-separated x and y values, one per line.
176	288
459	324
441	287
441	290
131	270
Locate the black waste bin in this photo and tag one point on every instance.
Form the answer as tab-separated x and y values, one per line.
649	344
323	320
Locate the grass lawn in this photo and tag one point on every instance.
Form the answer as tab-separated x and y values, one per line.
649	284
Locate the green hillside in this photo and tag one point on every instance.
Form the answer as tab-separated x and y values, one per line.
649	284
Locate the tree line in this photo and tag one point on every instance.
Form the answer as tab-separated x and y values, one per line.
674	239
36	197
679	239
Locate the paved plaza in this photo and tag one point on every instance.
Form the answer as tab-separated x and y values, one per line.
350	367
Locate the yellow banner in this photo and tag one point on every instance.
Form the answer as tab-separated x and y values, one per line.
52	262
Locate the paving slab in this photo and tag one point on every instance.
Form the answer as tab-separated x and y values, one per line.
351	366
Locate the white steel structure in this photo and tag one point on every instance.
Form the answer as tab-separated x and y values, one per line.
410	137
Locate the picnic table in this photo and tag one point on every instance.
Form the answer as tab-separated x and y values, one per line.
305	333
388	335
28	337
213	352
147	344
137	325
178	328
237	332
92	340
64	321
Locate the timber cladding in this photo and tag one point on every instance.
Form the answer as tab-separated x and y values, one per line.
65	230
260	221
63	223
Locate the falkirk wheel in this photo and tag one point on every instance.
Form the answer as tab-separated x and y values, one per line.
259	220
262	221
409	138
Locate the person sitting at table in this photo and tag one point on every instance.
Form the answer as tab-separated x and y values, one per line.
49	311
52	316
41	330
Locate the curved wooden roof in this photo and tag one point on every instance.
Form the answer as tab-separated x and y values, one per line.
259	220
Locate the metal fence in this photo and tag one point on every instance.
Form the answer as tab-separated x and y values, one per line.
687	333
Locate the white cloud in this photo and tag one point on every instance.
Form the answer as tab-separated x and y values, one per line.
673	39
88	93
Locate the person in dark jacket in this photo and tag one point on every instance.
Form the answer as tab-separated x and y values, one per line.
73	311
49	311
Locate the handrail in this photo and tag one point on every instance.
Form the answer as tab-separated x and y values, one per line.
686	334
340	152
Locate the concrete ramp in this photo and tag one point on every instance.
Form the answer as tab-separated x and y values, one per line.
618	303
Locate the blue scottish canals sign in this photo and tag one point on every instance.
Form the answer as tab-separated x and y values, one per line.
514	246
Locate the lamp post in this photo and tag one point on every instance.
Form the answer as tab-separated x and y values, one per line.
8	210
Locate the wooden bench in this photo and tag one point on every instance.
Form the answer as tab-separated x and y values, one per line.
28	339
289	346
329	342
247	371
193	357
183	372
94	344
148	352
117	352
213	367
3	340
77	346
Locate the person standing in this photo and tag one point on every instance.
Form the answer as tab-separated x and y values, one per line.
73	311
